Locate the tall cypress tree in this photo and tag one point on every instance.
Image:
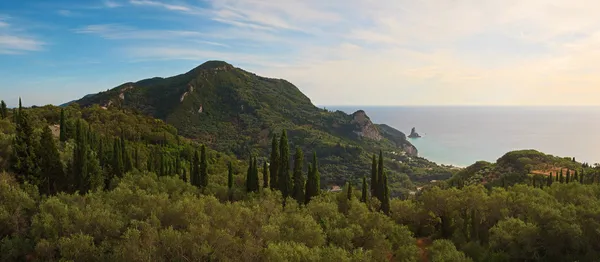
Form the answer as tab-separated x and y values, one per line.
80	158
284	180
63	126
230	181
274	165
265	175
385	202
550	180
364	196
23	160
307	185
374	176
203	167
118	168
349	191
581	176
298	190
127	162
313	183
252	176
575	176
380	184
568	178
3	110
195	173
229	176
562	179
52	174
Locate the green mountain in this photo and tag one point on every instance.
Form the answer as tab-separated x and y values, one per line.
235	111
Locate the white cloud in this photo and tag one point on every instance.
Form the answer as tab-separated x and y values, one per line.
160	4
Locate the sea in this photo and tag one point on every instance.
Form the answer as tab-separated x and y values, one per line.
462	135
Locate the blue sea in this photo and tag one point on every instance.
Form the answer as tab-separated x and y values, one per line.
461	135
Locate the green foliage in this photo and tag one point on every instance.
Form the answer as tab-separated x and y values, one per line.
299	183
161	218
313	186
24	145
274	165
52	178
364	193
203	168
284	180
445	251
3	110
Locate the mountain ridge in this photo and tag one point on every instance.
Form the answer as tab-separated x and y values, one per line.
237	111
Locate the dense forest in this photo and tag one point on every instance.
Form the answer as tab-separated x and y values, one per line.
93	184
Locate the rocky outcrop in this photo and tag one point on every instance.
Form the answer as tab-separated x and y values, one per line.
364	127
414	134
399	139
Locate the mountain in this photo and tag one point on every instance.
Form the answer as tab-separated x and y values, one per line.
236	111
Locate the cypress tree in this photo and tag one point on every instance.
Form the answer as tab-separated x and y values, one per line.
53	173
93	178
349	191
581	176
561	179
284	180
23	160
374	176
307	185
195	173
550	180
298	190
265	175
385	202
184	175
80	158
313	183
568	178
249	175
230	181
203	167
274	165
229	176
575	176
63	126
252	184
3	110
364	196
380	184
127	163
474	225
117	159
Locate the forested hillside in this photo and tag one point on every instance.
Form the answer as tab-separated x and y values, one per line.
238	112
94	184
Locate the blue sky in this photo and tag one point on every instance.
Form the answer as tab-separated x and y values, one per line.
352	52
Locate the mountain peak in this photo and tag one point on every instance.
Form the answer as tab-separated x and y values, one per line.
213	65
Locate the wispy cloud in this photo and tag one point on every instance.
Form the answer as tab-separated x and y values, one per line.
14	41
111	4
116	31
160	4
12	44
64	12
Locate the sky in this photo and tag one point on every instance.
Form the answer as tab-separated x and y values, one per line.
338	52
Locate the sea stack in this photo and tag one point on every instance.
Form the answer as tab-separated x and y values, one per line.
414	134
